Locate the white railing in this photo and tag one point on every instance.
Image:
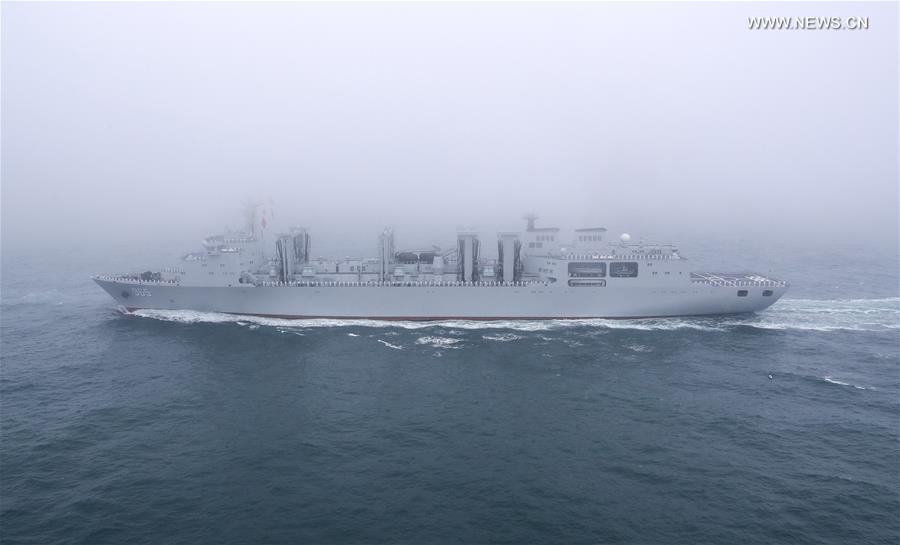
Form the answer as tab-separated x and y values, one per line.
132	280
742	283
634	257
483	284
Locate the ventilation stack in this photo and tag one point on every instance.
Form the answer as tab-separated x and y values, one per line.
467	257
386	253
300	243
292	251
284	247
509	257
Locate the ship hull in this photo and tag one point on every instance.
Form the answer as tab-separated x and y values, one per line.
421	302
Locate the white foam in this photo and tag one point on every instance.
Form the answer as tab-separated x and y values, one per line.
389	345
195	316
438	342
828	378
502	337
827	315
788	314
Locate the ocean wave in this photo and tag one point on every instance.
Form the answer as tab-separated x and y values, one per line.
828	378
389	345
841	306
52	296
788	314
502	337
647	324
438	342
881	314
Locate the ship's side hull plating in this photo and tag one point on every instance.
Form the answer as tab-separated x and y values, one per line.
447	302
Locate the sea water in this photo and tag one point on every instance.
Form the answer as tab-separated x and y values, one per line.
190	427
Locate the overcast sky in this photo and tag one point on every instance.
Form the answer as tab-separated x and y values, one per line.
144	120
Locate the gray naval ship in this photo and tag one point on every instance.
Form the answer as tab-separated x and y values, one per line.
539	273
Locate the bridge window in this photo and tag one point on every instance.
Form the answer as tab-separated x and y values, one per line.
742	293
767	293
591	269
623	269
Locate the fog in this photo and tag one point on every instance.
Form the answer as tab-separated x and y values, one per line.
145	122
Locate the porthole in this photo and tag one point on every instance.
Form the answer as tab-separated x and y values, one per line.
742	293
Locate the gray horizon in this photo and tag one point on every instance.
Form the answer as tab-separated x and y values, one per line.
128	123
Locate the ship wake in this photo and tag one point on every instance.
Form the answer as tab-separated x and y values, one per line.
788	314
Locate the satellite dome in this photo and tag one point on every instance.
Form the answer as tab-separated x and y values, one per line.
625	237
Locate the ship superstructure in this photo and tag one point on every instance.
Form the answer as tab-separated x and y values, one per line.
535	274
